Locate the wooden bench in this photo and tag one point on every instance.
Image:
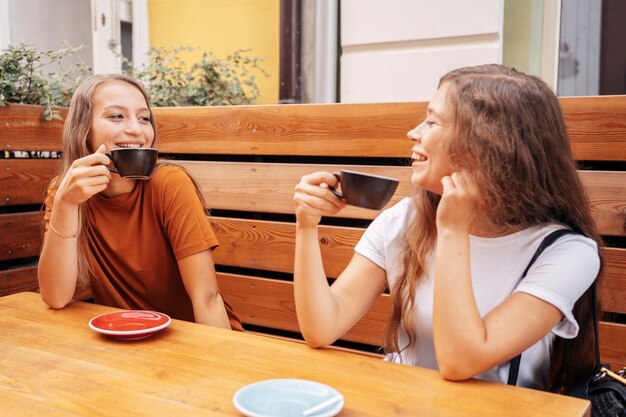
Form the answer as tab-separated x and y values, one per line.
247	160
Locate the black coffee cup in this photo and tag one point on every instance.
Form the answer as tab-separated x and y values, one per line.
365	190
133	163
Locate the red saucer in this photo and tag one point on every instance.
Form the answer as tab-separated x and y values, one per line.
130	324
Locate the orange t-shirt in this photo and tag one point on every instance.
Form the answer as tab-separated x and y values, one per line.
134	241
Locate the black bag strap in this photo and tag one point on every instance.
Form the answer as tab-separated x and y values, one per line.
547	241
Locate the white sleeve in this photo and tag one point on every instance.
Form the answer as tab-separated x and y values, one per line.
372	244
561	275
381	238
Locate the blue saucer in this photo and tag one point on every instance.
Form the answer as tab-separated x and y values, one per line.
285	398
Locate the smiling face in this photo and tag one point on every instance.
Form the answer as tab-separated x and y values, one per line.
121	118
429	155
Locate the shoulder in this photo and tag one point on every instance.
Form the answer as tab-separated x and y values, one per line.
399	212
169	173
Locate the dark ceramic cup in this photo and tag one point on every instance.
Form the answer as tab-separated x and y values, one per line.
365	190
134	163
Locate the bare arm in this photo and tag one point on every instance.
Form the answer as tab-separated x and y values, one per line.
467	344
58	263
198	273
325	312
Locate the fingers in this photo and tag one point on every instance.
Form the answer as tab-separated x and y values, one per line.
313	190
97	158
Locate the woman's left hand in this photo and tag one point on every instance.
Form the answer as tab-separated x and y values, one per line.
458	206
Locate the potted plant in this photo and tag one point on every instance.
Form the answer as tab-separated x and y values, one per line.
30	76
208	82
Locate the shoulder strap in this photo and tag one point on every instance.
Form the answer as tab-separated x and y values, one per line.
547	241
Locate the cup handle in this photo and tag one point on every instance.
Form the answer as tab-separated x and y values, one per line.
108	167
332	189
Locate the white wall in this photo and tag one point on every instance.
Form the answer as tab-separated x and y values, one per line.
396	50
579	63
46	24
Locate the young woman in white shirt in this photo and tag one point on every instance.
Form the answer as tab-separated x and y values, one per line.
494	174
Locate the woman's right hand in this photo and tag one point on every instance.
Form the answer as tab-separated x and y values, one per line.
86	177
313	198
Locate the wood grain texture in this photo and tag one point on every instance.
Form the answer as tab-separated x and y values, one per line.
267	187
612	291
191	370
270	303
301	129
17	280
271	245
612	337
22	128
607	195
20	235
597	127
24	181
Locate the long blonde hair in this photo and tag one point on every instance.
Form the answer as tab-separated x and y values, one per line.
75	145
510	135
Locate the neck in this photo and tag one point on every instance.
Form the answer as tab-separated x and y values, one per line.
486	228
118	186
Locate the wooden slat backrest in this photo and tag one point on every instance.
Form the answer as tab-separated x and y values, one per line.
20	235
258	248
24	181
596	125
268	187
269	246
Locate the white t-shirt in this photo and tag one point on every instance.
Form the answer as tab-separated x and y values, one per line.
559	276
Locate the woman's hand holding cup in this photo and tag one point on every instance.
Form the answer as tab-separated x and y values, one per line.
313	198
86	177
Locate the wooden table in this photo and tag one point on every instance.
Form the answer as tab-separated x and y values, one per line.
52	364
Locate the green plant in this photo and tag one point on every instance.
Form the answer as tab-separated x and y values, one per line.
23	79
210	81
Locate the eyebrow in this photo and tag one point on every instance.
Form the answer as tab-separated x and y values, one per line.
115	106
435	113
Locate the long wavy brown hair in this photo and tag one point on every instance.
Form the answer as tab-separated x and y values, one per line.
509	135
75	145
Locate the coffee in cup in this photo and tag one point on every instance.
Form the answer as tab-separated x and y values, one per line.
133	163
365	190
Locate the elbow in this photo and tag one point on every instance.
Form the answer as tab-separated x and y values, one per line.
316	341
456	369
454	374
55	303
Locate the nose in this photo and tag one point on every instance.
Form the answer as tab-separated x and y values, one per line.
133	127
414	134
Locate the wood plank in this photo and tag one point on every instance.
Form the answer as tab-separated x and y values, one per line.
612	290
299	129
17	280
269	187
24	181
612	343
269	303
596	126
270	245
21	235
22	128
607	194
23	279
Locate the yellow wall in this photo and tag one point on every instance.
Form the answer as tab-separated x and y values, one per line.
222	26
